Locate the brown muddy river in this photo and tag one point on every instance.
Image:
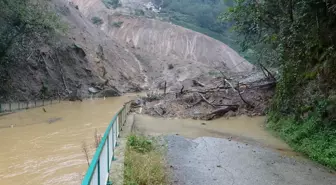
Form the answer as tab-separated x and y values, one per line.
40	147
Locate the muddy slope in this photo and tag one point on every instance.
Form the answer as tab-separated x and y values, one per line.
166	39
72	63
158	44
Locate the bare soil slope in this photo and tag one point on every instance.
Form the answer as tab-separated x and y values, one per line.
159	45
85	57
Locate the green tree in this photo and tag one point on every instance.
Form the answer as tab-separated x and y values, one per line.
19	18
298	37
23	21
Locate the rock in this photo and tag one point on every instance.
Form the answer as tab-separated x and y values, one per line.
93	90
138	102
108	93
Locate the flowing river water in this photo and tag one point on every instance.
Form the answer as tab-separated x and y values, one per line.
39	147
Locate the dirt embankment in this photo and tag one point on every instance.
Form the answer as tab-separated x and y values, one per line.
83	58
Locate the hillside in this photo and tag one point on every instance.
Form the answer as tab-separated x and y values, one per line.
106	48
84	57
158	44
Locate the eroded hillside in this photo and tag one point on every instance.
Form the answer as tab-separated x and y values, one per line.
106	48
159	44
70	64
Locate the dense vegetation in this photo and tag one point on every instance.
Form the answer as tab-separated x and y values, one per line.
200	16
24	23
298	37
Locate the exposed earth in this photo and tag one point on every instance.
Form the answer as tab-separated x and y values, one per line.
139	54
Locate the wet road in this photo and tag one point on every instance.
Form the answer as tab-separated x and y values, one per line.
215	161
235	151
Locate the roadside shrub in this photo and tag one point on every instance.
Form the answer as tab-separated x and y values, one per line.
308	135
140	143
139	12
170	66
97	20
117	24
112	3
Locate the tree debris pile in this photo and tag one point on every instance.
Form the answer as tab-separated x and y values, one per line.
212	99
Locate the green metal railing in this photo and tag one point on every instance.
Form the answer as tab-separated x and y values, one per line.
98	171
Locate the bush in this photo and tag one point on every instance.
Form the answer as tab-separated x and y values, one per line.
117	24
140	144
112	3
139	12
170	66
97	20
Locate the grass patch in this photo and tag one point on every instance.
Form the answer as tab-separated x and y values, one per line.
144	162
308	136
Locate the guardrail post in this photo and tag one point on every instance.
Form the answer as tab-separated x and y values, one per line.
43	102
27	105
0	107
98	166
108	153
113	141
10	107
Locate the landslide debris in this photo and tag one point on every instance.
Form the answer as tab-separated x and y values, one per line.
210	98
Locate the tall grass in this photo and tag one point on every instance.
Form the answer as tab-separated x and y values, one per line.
144	162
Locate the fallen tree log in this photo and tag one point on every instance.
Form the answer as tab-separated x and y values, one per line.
197	83
220	112
206	101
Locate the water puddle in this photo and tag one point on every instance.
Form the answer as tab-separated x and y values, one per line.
40	147
243	128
